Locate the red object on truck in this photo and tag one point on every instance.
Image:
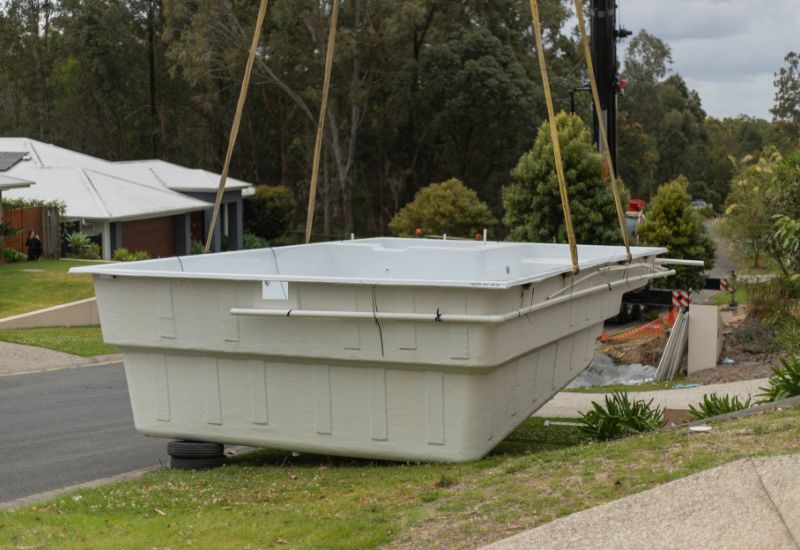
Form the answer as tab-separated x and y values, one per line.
635	205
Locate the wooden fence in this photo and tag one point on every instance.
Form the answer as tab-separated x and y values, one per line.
41	219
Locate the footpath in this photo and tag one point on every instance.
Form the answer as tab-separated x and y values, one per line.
570	404
751	503
19	359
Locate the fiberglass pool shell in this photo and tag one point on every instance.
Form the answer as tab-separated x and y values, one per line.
382	348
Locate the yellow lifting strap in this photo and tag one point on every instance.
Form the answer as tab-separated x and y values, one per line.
326	84
237	119
602	125
562	185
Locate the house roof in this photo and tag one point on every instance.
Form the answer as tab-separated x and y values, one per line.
92	188
186	180
7	182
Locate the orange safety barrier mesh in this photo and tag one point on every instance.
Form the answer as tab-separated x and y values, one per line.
653	328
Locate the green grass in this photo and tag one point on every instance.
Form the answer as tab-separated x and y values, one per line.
272	499
83	341
28	291
647	386
724	298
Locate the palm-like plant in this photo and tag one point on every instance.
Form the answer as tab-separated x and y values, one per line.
621	417
715	405
784	381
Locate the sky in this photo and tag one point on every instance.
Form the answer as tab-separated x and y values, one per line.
727	50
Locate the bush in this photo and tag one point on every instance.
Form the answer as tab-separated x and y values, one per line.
784	381
754	337
621	417
82	247
674	224
251	241
269	212
10	256
90	252
533	202
122	254
447	207
197	248
715	405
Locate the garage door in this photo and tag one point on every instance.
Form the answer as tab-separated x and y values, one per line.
156	236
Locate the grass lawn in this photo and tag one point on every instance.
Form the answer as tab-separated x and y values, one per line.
648	386
83	341
724	298
271	499
24	291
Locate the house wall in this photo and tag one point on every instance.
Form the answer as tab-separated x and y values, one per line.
232	203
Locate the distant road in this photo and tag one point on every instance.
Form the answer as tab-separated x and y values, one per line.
69	426
723	264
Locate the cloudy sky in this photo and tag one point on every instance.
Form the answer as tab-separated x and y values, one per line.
727	50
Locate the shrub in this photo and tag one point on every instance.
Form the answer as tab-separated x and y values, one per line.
447	207
784	381
621	417
674	224
755	337
82	247
140	255
197	248
533	202
269	212
10	256
90	252
715	405
251	241
122	254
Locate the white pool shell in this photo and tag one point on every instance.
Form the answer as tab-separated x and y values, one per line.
384	348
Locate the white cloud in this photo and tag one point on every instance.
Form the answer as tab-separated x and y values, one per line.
727	50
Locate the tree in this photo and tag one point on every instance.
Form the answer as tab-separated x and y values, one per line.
647	62
447	207
785	198
662	130
270	211
477	99
674	224
533	204
787	90
747	220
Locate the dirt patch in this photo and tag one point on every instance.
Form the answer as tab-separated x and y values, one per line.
645	350
751	361
732	373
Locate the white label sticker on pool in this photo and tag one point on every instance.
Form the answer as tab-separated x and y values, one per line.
274	290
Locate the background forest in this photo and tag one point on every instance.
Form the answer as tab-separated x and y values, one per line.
422	91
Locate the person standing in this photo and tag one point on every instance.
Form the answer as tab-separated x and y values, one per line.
34	244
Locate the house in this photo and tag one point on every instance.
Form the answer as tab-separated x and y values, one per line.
149	205
202	185
7	182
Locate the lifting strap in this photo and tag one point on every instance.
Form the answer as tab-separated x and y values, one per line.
237	118
562	185
326	84
601	123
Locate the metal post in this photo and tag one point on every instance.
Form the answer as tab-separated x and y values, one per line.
604	36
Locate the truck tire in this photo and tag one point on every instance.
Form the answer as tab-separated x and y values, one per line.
197	463
194	449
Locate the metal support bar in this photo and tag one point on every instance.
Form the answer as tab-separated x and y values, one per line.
444	317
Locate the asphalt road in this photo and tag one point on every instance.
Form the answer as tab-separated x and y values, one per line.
69	426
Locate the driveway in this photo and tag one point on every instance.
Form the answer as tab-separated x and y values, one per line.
66	427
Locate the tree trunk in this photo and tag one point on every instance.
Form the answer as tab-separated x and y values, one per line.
155	126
